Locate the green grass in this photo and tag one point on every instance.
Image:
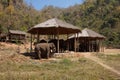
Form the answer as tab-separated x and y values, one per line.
65	69
112	60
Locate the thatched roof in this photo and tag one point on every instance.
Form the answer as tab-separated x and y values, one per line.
54	26
87	33
17	32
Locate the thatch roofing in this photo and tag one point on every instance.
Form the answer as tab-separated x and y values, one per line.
17	32
87	33
54	26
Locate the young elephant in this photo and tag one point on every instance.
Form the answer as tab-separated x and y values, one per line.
45	50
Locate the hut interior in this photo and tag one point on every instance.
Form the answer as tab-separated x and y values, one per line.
85	45
87	41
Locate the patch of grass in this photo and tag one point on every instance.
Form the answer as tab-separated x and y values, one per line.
66	69
83	69
66	61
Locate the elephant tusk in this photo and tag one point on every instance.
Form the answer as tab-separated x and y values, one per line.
51	50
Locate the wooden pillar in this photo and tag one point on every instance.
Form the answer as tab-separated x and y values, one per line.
31	43
89	45
102	46
75	43
85	45
38	36
58	42
98	45
68	42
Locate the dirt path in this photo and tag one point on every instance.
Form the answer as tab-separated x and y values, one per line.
99	61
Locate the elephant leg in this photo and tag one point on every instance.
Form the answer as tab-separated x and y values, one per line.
39	54
48	54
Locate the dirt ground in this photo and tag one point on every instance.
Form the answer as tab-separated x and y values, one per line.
112	51
22	47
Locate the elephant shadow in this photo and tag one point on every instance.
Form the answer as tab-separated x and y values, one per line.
32	55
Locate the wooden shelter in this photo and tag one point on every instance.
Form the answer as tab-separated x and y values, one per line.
87	41
53	27
16	35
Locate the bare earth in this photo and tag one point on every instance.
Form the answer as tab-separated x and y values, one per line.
112	51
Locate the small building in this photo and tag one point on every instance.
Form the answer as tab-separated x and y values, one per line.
16	35
87	41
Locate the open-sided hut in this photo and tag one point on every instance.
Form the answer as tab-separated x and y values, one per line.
53	27
87	41
16	35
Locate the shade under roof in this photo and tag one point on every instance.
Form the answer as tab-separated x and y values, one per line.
54	26
87	33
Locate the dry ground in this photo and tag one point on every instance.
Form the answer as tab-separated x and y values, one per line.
70	66
112	51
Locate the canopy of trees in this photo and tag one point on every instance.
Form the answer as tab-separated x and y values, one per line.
102	16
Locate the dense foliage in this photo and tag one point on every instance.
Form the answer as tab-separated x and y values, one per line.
102	16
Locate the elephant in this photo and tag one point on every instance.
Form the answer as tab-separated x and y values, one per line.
45	50
62	44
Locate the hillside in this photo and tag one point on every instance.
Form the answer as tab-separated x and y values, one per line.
15	14
102	16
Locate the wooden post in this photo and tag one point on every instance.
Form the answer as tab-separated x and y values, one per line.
31	43
67	43
98	45
75	43
38	36
91	45
58	42
102	46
